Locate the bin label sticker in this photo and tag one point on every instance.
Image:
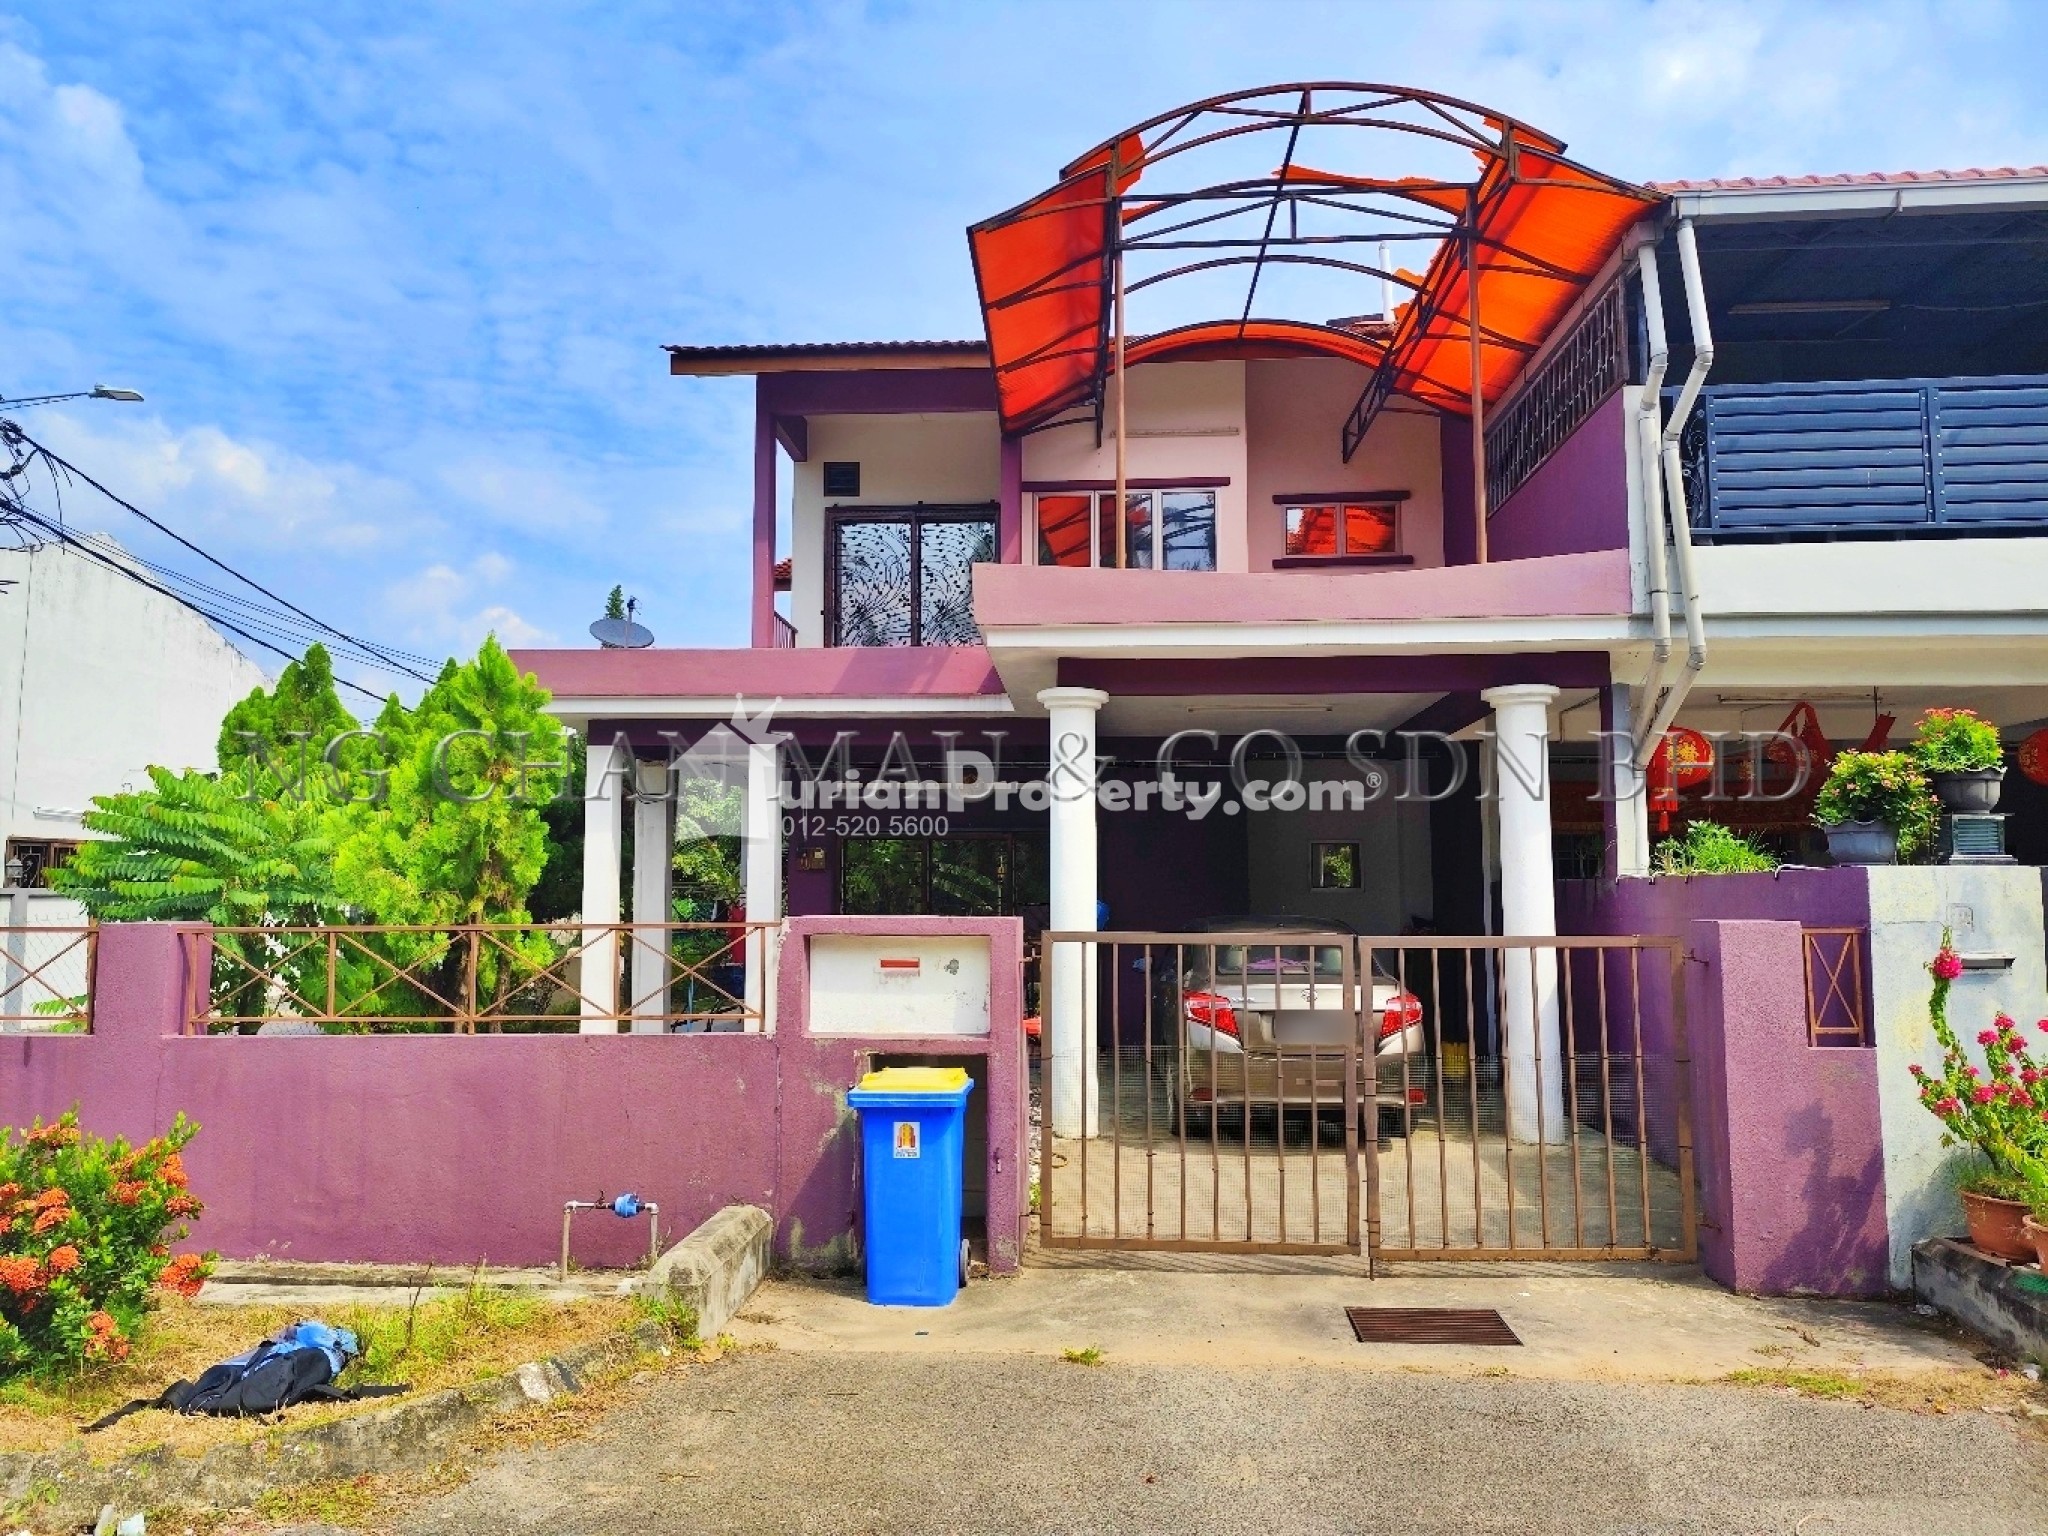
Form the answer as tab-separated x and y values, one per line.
906	1139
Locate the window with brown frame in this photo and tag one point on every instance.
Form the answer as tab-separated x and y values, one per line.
1078	528
1340	530
30	859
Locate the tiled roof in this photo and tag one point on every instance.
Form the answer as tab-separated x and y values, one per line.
1853	179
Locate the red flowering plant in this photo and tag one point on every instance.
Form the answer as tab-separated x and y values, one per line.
2000	1109
85	1232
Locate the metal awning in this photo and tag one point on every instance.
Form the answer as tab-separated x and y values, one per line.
1510	248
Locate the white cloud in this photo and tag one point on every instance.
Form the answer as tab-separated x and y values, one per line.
222	490
454	609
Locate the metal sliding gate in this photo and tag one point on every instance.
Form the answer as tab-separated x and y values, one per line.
1299	1092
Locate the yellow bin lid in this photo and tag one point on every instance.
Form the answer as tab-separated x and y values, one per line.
915	1080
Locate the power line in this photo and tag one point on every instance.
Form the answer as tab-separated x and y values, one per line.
11	433
70	540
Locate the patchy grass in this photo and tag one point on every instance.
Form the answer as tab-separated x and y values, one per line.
430	1344
677	1316
1805	1383
1092	1355
345	1501
1989	1388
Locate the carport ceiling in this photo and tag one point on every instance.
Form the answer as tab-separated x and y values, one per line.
1908	295
1234	714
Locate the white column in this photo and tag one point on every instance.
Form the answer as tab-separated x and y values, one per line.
761	857
1076	1089
599	963
654	847
1528	901
1627	784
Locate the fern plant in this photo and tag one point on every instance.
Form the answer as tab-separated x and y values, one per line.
195	848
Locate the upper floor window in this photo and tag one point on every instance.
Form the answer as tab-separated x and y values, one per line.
1169	530
1339	530
905	575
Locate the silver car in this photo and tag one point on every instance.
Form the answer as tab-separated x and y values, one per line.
1264	1024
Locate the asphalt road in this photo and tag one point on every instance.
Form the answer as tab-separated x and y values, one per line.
897	1443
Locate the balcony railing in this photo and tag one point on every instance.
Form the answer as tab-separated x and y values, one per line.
1886	457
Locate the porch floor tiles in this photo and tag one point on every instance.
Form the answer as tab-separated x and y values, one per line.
1441	1187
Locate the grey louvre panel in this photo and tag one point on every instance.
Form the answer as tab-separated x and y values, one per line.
1991	446
1889	455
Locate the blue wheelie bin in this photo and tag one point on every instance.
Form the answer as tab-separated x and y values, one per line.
912	1131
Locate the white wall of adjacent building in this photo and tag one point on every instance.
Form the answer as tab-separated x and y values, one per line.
99	679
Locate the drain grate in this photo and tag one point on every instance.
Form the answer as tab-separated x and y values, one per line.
1430	1325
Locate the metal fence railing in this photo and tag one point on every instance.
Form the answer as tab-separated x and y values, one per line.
46	976
527	978
1299	1092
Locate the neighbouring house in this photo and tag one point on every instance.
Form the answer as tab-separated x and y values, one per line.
104	678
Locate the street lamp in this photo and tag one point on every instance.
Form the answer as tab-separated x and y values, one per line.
97	392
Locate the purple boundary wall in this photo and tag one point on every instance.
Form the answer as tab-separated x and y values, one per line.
1787	1138
1787	1145
451	1149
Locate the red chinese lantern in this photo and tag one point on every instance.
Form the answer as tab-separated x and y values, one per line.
2034	757
1684	759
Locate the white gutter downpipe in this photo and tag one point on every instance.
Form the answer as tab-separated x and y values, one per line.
1649	431
1674	495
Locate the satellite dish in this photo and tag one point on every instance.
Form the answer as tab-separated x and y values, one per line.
622	634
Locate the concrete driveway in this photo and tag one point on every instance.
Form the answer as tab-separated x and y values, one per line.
1239	1403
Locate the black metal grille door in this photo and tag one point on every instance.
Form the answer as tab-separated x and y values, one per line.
872	600
905	576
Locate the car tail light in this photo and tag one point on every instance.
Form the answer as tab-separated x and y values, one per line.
1212	1010
1403	1009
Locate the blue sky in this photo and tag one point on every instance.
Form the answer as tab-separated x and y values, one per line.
395	280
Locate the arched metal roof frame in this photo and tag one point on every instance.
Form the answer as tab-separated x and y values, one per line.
1090	221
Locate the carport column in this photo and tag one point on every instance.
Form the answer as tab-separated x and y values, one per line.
654	847
598	965
1070	777
1528	905
761	855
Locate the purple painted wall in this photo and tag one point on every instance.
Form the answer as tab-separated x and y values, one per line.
1576	501
454	1148
1789	1147
1764	1102
1455	447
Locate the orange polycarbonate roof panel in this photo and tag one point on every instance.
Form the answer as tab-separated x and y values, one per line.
1045	269
1219	339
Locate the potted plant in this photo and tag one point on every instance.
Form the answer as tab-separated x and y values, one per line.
1876	808
1997	1111
1959	752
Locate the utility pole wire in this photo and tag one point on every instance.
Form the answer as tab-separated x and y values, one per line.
66	537
14	432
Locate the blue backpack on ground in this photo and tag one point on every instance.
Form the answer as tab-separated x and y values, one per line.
297	1363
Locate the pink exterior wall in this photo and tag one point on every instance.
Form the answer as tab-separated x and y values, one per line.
1578	498
451	1149
1590	585
1294	426
864	672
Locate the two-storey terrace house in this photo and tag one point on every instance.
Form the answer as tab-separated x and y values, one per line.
1583	462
